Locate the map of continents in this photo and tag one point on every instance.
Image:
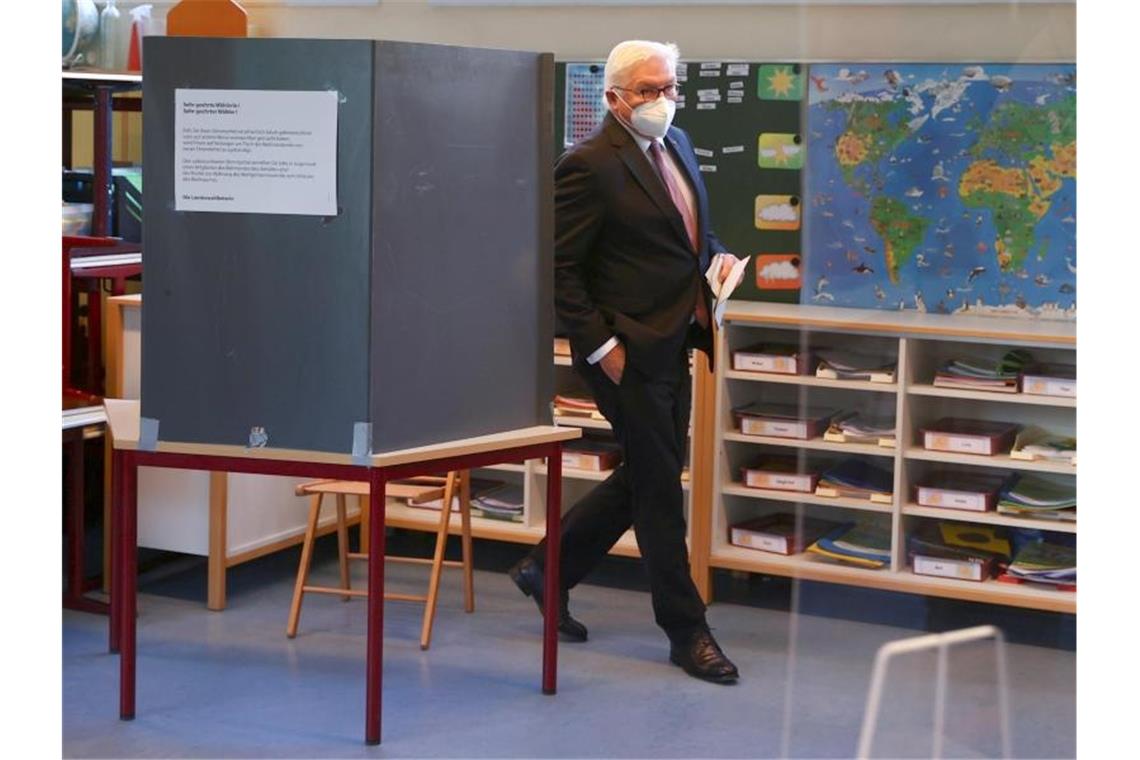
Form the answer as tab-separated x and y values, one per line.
942	188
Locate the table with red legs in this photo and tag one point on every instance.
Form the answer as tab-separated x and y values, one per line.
79	424
544	441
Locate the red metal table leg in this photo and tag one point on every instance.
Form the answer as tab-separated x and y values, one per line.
75	516
116	549
73	598
95	337
553	592
128	586
375	665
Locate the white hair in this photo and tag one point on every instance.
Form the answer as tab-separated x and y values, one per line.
626	55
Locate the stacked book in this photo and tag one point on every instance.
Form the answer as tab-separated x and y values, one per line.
505	503
1037	443
593	454
1042	562
848	365
780	472
576	406
857	478
778	358
866	544
862	428
1050	380
1034	496
965	436
981	374
431	497
954	550
974	492
779	533
783	420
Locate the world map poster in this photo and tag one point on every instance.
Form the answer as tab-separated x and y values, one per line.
942	188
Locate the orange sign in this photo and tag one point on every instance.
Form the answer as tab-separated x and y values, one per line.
778	271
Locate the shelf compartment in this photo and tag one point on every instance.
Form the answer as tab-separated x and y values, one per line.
815	444
736	489
400	515
397	514
626	546
570	473
1007	398
1000	460
989	518
810	381
808	568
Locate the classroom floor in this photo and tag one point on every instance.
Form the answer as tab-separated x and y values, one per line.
231	684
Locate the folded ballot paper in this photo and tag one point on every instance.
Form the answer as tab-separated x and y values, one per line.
722	290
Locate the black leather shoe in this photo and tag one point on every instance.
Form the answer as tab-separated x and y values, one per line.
701	657
530	579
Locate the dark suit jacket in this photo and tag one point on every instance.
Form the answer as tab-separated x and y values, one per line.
623	263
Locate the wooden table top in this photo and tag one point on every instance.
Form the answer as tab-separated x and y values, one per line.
123	420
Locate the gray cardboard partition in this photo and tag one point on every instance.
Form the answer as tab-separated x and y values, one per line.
459	193
424	307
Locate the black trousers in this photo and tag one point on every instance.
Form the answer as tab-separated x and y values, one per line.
650	419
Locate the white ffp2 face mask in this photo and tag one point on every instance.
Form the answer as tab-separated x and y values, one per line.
654	118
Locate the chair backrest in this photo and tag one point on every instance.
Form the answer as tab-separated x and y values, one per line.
942	642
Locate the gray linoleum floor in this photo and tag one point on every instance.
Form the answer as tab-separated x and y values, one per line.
231	684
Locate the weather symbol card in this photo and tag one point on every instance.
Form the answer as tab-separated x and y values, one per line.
782	81
780	151
778	271
777	212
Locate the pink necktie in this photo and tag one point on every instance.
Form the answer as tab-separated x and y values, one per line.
675	193
670	181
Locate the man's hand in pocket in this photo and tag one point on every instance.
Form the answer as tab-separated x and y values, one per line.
613	364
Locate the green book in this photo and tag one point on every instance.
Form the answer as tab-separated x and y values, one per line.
1037	557
1033	492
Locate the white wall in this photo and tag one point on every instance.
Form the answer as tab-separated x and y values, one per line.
1003	32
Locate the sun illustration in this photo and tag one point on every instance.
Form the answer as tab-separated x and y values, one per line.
781	81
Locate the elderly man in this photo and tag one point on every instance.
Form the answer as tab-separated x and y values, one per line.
632	241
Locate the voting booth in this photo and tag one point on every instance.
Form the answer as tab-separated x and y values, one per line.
348	243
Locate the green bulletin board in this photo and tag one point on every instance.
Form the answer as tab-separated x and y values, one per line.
745	121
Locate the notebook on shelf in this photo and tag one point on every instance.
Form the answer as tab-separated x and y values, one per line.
836	364
865	544
857	478
1002	375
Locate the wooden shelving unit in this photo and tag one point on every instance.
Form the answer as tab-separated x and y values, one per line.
919	342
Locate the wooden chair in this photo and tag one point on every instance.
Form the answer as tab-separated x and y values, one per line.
456	482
